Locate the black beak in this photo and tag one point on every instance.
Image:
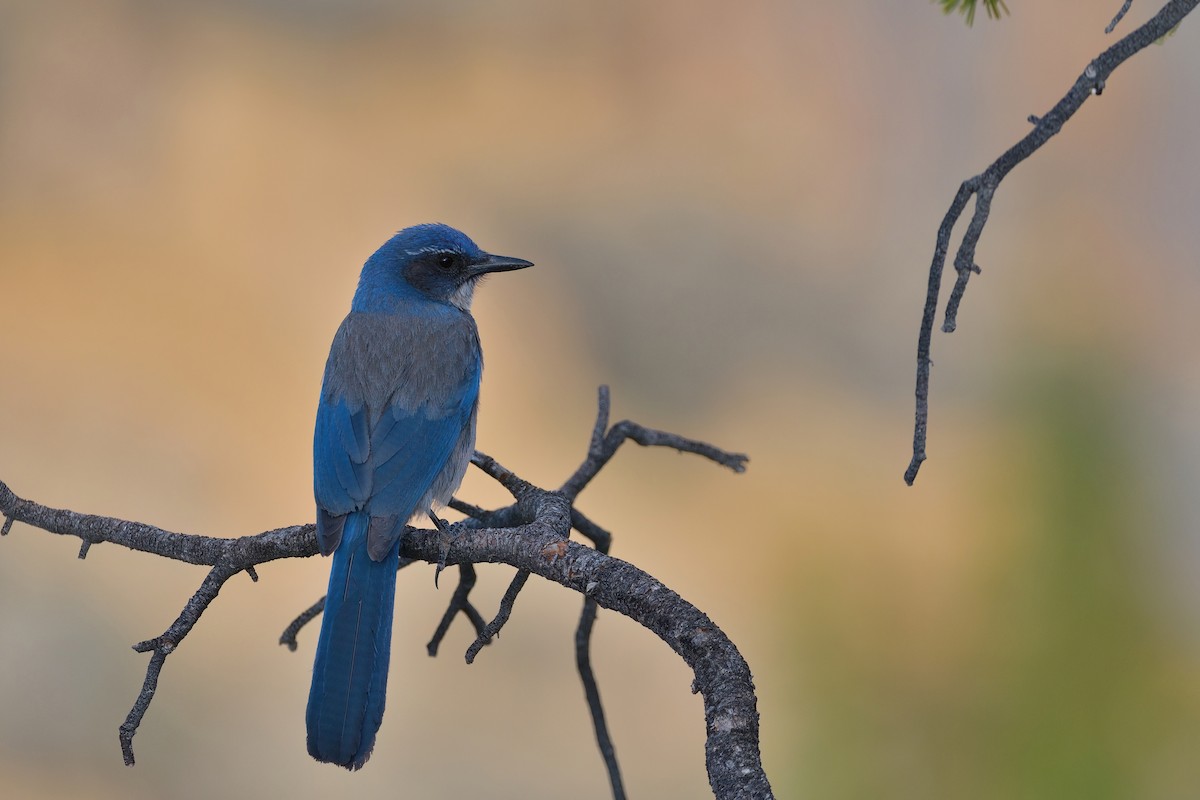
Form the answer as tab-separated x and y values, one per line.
492	263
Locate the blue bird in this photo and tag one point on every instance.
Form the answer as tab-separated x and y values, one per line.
394	434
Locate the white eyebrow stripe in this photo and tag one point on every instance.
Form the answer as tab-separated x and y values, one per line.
431	249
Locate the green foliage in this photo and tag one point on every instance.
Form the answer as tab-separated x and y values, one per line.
994	8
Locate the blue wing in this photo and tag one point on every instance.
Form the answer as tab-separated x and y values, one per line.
385	461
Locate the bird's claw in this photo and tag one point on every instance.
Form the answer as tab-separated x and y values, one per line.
444	552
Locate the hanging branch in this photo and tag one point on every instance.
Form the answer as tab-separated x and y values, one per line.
532	535
983	187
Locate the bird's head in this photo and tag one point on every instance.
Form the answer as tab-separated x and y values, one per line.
434	261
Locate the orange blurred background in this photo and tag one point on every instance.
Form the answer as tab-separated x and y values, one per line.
732	209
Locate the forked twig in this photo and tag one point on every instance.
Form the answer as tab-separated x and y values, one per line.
983	187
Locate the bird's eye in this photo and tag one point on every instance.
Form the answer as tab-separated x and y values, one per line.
445	262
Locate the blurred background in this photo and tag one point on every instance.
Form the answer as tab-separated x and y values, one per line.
732	208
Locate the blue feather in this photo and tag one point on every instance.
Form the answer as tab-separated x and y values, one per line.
394	432
399	481
345	706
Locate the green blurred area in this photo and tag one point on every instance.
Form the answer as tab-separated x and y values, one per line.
1069	681
731	209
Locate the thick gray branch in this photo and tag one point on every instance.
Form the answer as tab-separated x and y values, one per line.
531	535
721	674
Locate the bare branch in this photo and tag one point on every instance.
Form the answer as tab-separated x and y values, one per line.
1112	26
983	186
721	674
492	629
603	448
295	541
583	663
599	537
472	511
603	403
602	539
505	477
459	602
162	646
306	616
531	535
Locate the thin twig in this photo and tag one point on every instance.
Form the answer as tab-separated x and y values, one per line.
472	511
602	540
459	602
983	187
492	629
519	488
603	448
583	663
600	429
306	616
1120	16
162	646
141	704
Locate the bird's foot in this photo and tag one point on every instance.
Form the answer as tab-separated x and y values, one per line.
447	537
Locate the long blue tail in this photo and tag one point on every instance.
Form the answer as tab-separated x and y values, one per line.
345	704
